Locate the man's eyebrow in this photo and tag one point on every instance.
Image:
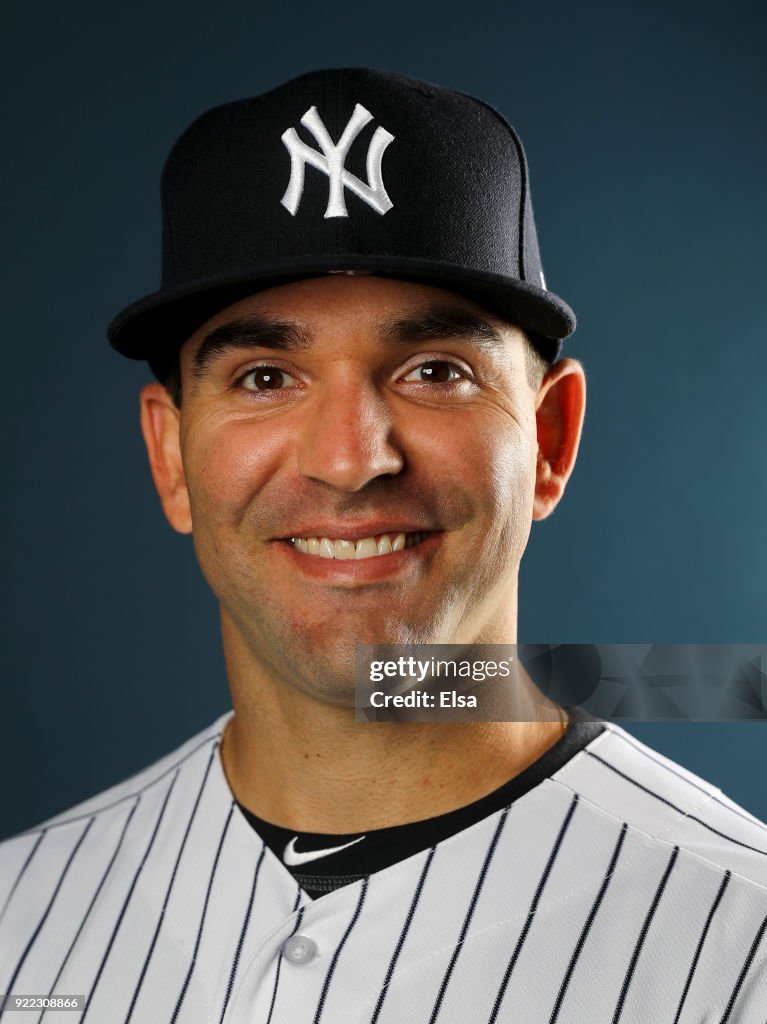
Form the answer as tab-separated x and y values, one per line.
441	323
437	323
249	331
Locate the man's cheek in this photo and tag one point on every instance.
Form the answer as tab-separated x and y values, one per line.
224	474
508	466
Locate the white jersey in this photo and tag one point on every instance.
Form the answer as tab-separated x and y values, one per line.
620	889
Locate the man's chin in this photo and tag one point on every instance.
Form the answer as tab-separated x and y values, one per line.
328	678
325	667
337	696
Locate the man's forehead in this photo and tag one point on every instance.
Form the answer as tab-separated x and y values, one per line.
391	305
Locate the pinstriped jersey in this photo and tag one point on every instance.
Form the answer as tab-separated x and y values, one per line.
622	888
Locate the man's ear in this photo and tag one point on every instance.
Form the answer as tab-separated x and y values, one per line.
560	406
160	421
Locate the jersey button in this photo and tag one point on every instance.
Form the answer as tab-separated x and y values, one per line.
299	950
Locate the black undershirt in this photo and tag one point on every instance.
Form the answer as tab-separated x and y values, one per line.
382	847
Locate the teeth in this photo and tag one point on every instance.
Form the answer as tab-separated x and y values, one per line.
384	545
345	548
367	547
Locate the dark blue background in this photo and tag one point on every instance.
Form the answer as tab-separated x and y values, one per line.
644	127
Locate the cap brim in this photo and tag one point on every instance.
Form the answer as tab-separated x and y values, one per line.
156	326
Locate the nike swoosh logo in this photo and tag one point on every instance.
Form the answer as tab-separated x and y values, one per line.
292	858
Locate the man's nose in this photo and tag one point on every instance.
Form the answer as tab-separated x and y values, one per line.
348	438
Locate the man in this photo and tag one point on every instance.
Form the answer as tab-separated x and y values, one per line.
359	413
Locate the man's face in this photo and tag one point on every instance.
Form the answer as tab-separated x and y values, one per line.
334	416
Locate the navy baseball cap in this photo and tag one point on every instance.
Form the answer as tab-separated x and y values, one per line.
342	170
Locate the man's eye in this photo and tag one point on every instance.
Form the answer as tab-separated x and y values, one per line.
266	378
436	371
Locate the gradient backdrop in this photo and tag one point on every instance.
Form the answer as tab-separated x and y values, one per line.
645	131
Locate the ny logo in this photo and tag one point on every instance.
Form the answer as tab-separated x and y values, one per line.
331	162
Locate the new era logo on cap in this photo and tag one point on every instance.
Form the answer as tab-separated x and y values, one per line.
331	162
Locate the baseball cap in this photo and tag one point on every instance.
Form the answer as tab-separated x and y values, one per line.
342	170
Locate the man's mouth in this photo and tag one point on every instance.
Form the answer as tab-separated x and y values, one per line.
365	547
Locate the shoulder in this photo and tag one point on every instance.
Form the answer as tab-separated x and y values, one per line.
619	776
49	846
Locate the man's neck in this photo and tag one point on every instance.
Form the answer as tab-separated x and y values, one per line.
313	768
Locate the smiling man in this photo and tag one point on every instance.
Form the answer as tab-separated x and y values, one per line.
357	460
359	412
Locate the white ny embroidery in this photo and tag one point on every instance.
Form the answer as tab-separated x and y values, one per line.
331	162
